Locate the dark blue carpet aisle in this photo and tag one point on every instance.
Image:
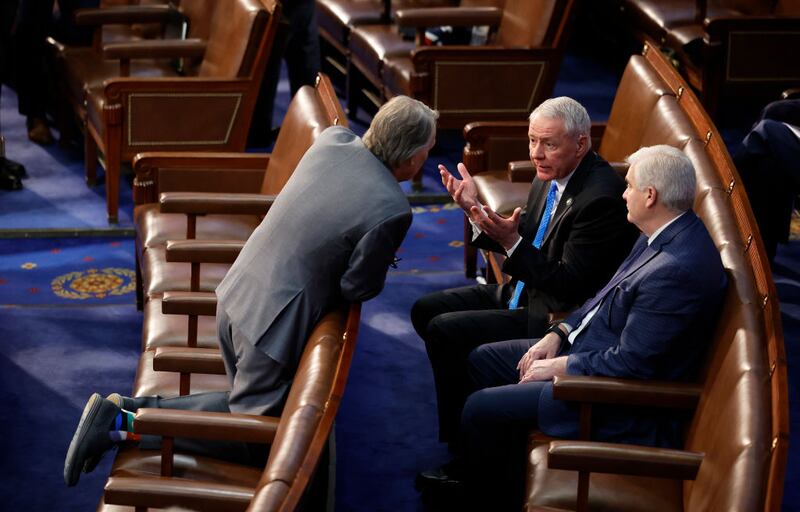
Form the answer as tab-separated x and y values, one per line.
51	360
68	326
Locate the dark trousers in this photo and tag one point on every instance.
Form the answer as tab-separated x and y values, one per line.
33	23
495	424
452	323
259	385
298	43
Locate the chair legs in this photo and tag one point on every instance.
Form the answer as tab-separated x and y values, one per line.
90	157
112	142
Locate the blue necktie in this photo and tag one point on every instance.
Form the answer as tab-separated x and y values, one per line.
537	241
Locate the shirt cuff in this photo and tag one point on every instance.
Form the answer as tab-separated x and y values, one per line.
513	247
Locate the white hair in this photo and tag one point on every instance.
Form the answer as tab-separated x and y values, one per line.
401	127
570	112
669	171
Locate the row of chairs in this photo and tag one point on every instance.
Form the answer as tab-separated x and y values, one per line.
164	76
194	216
502	79
735	448
727	50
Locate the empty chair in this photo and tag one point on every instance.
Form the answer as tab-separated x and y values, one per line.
503	79
209	111
211	184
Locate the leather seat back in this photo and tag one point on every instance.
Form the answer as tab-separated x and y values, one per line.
306	118
198	14
639	90
308	415
236	29
525	23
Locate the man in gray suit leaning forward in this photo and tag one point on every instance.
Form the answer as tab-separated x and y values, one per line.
651	321
329	237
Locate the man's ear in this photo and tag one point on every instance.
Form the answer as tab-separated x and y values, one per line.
583	144
651	197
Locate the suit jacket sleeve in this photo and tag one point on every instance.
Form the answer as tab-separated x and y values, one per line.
656	315
370	260
599	234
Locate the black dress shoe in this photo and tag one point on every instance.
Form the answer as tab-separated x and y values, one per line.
9	181
91	438
446	497
449	474
12	167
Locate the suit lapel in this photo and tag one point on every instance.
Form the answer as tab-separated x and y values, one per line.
538	198
574	186
664	238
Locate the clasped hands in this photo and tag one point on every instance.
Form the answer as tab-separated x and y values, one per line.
464	192
540	363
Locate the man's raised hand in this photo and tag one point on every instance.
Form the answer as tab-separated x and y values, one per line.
463	191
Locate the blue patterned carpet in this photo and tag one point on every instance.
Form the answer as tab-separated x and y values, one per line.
68	328
67	271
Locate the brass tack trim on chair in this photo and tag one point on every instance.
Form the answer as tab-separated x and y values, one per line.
748	243
772	369
238	97
730	187
335	119
646	46
764	301
774	444
708	137
680	91
143	183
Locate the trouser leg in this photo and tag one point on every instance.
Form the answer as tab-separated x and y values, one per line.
495	425
452	323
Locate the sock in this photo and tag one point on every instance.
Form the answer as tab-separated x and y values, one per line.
123	428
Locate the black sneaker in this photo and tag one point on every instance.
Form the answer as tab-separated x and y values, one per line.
91	438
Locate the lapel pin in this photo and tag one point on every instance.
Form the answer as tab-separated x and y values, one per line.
569	201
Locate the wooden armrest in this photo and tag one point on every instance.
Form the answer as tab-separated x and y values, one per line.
200	203
220	426
188	360
455	16
596	132
164	492
521	171
792	93
220	172
203	251
227	161
621	168
123	15
482	130
189	303
155	49
581	388
623	459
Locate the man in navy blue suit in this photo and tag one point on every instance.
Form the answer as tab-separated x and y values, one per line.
653	320
767	161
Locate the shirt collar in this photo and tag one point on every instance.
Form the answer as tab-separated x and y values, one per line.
657	232
561	185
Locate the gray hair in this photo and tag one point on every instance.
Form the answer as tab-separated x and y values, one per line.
401	127
669	171
570	112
